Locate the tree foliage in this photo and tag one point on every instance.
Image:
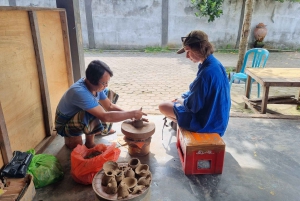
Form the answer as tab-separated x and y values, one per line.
213	8
208	8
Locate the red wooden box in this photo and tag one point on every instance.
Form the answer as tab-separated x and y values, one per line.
200	153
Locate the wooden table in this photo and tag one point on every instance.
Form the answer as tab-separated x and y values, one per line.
267	77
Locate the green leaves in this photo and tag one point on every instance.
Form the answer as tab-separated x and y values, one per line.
208	8
213	8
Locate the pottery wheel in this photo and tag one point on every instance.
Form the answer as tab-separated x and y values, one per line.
132	132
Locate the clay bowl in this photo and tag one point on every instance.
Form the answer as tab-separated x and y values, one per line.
130	182
110	167
142	170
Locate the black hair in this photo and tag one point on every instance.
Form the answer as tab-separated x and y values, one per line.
96	70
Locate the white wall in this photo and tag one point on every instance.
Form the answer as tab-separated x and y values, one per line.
133	24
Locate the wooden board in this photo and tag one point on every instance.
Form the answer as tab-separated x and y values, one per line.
54	55
35	71
19	84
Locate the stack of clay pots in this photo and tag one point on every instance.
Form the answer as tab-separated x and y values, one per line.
126	179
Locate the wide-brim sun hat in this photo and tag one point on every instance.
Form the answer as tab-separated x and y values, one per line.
195	36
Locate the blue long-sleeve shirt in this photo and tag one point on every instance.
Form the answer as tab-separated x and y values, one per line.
206	105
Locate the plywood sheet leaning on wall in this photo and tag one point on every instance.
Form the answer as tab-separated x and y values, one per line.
35	71
19	84
56	64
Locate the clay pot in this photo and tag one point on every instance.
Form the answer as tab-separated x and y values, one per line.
142	170
130	182
260	32
110	166
138	123
129	172
123	191
112	186
134	162
145	181
107	177
119	176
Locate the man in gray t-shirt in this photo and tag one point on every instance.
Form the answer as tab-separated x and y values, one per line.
85	106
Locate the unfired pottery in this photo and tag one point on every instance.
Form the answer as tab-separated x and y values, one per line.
142	170
134	162
129	172
107	177
110	166
123	191
137	189
112	186
145	181
130	182
138	123
119	176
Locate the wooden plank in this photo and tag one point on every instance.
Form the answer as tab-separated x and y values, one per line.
284	77
265	116
41	71
21	98
65	33
45	143
4	140
51	34
248	89
298	105
273	98
248	103
264	99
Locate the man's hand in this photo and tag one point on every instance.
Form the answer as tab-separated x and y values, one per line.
138	114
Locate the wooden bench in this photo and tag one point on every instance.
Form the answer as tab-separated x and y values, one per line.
200	153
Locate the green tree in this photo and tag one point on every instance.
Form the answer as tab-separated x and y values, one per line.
213	9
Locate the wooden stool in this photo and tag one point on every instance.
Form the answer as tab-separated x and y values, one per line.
200	153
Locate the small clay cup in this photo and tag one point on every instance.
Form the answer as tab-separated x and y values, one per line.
134	162
110	166
107	177
142	170
130	182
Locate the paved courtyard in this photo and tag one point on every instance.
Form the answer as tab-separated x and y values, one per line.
146	79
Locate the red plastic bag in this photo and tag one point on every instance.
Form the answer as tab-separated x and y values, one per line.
84	169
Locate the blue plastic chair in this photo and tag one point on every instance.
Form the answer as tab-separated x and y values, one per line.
260	57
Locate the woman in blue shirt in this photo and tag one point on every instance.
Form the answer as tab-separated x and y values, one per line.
205	107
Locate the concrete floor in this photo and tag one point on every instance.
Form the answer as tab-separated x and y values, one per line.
261	163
